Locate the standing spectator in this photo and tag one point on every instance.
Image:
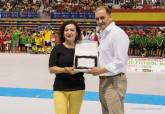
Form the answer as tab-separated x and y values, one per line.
47	37
22	42
163	45
1	43
132	44
152	45
7	38
144	41
15	40
137	44
159	40
94	36
53	39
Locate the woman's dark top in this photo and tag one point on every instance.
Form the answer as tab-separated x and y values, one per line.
64	57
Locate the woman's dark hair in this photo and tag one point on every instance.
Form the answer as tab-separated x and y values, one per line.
62	28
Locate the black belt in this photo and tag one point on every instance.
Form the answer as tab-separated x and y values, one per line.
120	74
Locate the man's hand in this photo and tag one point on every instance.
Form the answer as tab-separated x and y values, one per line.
97	70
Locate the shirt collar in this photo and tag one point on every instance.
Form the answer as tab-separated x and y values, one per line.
107	29
110	26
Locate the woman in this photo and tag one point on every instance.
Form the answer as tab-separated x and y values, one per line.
69	85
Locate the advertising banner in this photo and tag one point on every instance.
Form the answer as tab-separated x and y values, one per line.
146	65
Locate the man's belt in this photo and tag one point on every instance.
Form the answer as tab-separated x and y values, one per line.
120	74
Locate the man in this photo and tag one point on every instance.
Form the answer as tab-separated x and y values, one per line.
112	62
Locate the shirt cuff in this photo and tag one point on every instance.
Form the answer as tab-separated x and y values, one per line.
111	68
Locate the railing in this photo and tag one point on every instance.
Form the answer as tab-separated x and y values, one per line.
71	15
19	14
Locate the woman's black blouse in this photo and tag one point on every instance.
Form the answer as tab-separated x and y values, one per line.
64	57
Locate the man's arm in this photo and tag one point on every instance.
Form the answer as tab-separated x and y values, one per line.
97	70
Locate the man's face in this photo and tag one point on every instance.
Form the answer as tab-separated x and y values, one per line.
103	19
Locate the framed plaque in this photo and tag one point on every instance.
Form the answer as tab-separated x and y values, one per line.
86	55
85	62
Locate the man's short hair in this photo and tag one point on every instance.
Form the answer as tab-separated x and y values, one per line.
107	9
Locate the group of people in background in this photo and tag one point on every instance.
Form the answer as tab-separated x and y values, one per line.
27	41
20	5
144	41
149	42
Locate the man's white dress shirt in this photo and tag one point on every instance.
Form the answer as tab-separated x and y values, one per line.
113	50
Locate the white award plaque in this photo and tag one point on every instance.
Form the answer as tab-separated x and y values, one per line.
86	55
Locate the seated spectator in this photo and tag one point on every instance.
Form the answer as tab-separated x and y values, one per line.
7	7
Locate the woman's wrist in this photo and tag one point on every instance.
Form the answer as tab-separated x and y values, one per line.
65	70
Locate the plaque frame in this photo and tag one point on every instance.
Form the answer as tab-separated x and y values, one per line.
87	57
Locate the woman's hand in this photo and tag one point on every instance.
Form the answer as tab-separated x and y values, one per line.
70	70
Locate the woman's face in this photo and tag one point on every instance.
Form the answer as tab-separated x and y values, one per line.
70	32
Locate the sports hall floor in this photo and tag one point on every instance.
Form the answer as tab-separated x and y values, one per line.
26	87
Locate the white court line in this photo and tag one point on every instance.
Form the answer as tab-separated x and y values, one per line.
17	105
